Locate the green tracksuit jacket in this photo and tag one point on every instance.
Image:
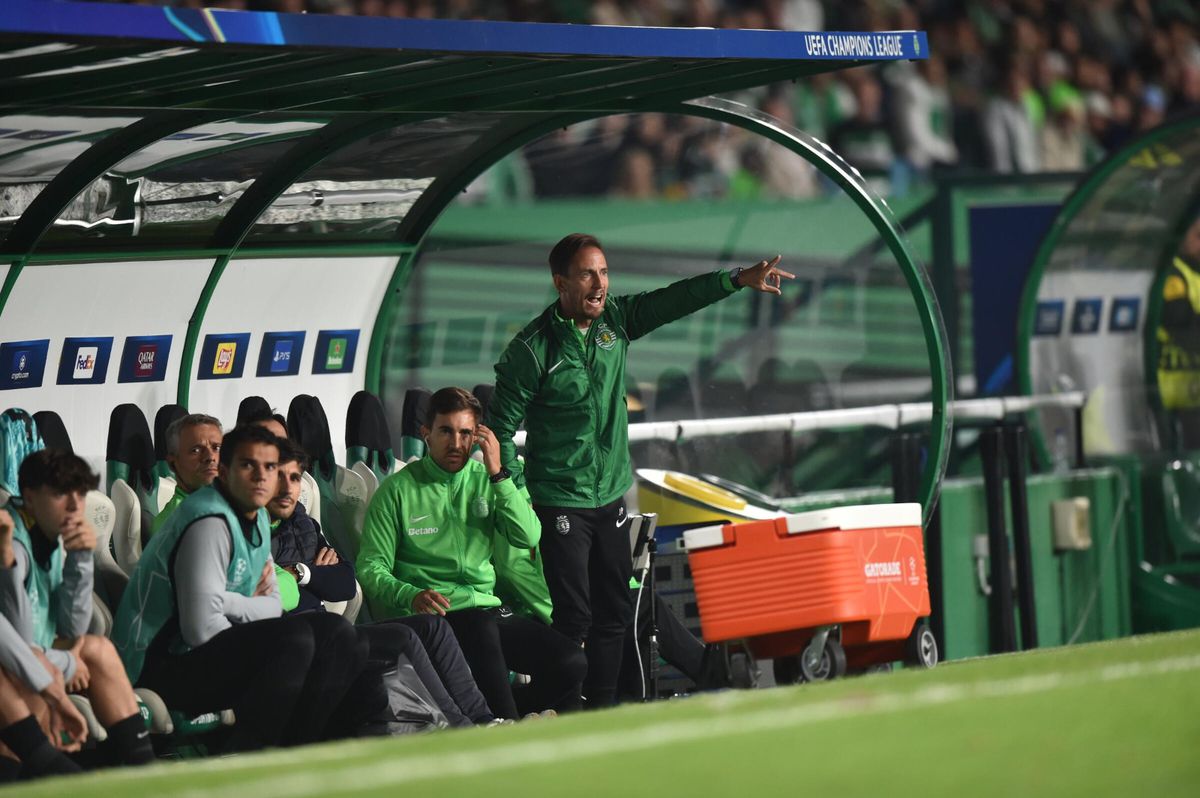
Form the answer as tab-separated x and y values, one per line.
571	393
428	528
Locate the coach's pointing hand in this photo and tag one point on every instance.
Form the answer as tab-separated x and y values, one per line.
764	276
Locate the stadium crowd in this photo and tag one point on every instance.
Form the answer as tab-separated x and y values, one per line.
1010	86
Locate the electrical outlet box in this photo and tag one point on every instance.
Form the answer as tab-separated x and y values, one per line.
1072	523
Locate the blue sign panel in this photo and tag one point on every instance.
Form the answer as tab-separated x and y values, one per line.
334	352
144	358
1124	314
23	363
223	356
280	353
1049	318
1085	318
84	361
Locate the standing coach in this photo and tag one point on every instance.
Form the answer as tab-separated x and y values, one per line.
564	375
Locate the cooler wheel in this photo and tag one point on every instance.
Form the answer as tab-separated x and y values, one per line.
831	664
921	648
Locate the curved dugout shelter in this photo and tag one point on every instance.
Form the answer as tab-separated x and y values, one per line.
197	206
1092	305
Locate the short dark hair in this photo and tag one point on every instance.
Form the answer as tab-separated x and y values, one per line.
292	452
58	469
452	400
565	251
259	415
246	433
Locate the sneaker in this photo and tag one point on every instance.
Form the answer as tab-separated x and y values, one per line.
546	713
499	722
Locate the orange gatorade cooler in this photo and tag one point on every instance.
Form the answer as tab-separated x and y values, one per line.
847	583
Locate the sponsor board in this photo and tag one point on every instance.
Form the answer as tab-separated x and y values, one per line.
335	351
1125	314
144	358
280	354
84	361
23	363
1086	316
223	356
1049	317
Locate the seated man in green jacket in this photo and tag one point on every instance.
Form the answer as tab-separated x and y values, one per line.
427	548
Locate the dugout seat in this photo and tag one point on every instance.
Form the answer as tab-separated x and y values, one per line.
1181	503
53	431
253	407
343	493
130	458
165	416
368	439
484	392
413	415
127	529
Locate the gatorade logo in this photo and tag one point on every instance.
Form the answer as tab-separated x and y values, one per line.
85	362
143	366
335	357
223	362
882	570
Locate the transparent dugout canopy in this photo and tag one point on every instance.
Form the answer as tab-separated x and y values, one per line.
1091	310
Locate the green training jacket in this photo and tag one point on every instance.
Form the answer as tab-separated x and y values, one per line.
427	528
570	392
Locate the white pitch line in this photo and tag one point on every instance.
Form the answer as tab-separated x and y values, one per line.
402	770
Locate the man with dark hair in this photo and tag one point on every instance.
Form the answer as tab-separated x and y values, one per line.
46	546
427	549
564	376
200	620
426	641
193	451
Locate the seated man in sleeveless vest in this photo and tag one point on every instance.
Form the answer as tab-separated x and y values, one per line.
427	549
200	620
426	641
193	449
46	593
38	722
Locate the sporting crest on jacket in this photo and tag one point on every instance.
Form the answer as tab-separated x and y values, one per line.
605	338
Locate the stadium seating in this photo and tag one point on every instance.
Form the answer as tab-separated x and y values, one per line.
163	419
412	416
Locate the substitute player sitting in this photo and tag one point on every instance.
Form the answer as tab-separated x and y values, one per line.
427	548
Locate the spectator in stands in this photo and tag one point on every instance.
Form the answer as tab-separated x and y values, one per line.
427	549
28	679
564	376
1008	128
193	451
46	572
425	640
200	620
1179	344
863	139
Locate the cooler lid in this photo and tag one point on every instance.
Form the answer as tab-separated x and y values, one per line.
861	516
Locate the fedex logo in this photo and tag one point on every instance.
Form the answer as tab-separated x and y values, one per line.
85	362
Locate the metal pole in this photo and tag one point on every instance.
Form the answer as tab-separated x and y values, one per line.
1017	449
1002	630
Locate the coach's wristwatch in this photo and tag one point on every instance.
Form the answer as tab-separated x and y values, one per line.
734	276
302	573
500	475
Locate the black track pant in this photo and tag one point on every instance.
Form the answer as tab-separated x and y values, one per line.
495	641
676	645
430	646
290	681
588	564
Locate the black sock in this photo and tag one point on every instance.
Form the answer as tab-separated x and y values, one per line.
129	739
38	756
10	769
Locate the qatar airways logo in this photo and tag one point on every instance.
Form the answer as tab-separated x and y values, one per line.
882	570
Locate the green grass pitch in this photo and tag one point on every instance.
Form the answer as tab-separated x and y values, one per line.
1116	718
